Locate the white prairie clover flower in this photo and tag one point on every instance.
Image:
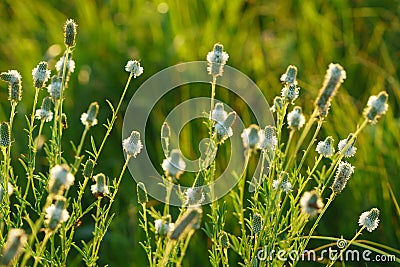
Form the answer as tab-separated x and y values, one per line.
369	219
296	119
351	150
132	145
174	166
376	107
251	136
343	173
278	104
216	60
190	220
16	240
100	188
311	203
70	67
60	178
54	88
289	77
45	113
218	114
268	140
290	92
282	183
194	196
133	67
163	226
14	80
224	129
70	32
334	77
56	214
89	119
325	148
40	74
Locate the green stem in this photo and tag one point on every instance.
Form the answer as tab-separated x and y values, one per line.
114	117
78	158
41	249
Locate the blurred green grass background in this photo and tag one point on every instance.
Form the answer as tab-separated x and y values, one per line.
262	38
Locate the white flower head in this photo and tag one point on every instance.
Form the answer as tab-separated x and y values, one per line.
218	114
100	188
278	104
11	76
369	219
224	129
54	88
60	178
351	150
174	166
296	119
45	113
251	136
133	66
132	145
289	77
163	226
70	65
325	148
16	240
40	74
290	92
216	60
268	140
194	196
311	203
376	107
56	214
282	183
89	119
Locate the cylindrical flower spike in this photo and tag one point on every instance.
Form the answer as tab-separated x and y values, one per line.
16	240
296	119
282	183
54	88
334	77
218	114
45	113
251	136
369	219
164	226
224	240
325	148
174	166
88	168
223	129
70	32
40	75
278	104
14	80
132	145
165	135
190	220
141	193
351	150
100	188
344	171
69	68
311	203
89	119
289	77
257	223
133	67
56	214
60	178
268	139
376	107
5	135
216	60
194	196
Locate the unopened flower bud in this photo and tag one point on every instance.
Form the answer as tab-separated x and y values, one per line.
343	173
5	136
257	223
142	193
88	168
70	32
190	220
224	240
